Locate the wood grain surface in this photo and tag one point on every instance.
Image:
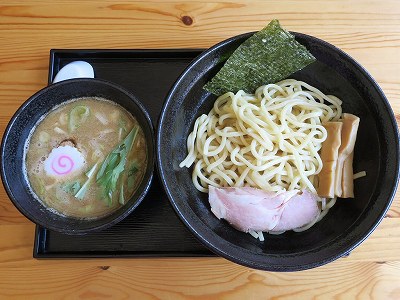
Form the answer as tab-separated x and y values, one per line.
367	30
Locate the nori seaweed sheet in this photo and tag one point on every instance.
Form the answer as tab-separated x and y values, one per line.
270	55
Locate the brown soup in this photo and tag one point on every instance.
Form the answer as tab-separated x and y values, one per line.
85	158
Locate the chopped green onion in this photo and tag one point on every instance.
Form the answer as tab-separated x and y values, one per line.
82	191
121	195
44	137
86	208
122	123
77	116
122	127
71	187
41	186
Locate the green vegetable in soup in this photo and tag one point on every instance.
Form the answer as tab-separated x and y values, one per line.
71	187
41	186
90	175
114	165
133	168
268	56
122	127
121	195
44	137
122	123
77	116
86	208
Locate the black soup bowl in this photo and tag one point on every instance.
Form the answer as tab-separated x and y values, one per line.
18	130
347	224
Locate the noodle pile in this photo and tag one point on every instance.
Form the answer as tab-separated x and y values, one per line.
269	140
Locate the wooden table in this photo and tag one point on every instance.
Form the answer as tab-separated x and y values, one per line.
368	30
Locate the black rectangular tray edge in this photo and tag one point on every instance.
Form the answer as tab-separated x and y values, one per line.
39	252
111	52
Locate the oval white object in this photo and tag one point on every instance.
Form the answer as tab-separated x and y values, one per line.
76	69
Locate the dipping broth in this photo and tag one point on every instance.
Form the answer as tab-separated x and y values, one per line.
85	158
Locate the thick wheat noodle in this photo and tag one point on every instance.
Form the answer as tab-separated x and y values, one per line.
269	140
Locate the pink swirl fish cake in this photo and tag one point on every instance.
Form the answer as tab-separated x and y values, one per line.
63	161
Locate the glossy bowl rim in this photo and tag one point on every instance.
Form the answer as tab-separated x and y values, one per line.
216	244
151	163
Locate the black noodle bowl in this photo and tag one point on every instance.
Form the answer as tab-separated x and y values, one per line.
17	132
347	224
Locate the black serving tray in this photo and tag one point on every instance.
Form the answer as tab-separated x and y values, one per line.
153	229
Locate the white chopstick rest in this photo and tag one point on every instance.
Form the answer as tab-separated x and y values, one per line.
76	69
